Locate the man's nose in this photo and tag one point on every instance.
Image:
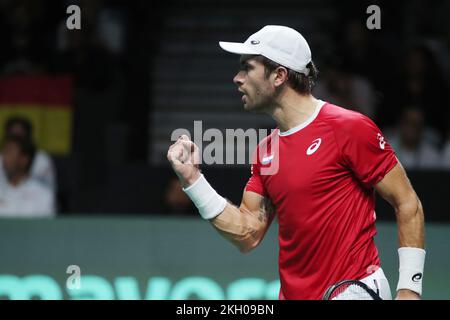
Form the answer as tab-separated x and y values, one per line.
238	79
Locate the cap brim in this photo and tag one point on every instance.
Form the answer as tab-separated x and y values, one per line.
236	47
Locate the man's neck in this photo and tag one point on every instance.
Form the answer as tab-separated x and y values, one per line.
293	109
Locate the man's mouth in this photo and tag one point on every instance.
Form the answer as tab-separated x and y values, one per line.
244	96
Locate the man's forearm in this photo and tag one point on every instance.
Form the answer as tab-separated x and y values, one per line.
241	226
410	221
238	226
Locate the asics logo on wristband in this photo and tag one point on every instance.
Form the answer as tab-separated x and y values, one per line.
417	277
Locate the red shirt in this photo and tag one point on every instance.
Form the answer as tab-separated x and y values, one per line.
322	186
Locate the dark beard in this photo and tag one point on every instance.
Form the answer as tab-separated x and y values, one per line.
266	103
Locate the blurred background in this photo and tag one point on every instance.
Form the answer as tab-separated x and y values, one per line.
86	118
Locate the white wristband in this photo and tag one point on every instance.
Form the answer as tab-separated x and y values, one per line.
208	202
412	261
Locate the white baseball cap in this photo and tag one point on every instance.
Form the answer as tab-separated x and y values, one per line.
280	44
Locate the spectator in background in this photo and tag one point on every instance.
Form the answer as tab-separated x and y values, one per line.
341	86
412	147
363	50
21	196
175	200
24	46
105	22
42	168
421	83
93	54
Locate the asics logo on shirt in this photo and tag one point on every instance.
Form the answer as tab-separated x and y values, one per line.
313	148
382	141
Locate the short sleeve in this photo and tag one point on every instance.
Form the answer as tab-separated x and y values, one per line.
365	150
255	183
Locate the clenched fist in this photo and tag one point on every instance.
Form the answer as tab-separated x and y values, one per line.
184	157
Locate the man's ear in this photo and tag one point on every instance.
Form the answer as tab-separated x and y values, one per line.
280	76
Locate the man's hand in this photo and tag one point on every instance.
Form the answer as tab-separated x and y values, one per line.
405	294
184	157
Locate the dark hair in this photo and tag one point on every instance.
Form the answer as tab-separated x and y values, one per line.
26	147
301	83
23	122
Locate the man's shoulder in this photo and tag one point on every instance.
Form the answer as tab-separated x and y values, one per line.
42	158
337	115
344	120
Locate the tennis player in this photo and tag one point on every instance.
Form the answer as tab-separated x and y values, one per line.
329	162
